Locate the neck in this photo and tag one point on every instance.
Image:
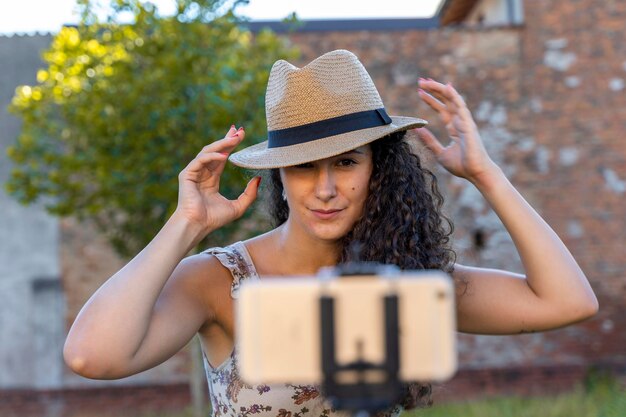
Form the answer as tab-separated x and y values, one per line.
303	254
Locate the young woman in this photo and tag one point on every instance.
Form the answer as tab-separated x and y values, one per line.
341	171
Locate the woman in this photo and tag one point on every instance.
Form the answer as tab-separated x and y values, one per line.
341	173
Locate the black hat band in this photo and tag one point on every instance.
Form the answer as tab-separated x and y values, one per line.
329	127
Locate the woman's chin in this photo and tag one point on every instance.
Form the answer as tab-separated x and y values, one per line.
330	233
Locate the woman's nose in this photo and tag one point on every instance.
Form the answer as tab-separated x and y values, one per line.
325	188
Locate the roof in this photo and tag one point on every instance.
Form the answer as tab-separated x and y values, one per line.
455	11
325	25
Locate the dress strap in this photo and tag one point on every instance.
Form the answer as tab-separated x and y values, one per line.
237	260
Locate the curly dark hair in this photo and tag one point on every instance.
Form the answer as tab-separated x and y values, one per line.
402	223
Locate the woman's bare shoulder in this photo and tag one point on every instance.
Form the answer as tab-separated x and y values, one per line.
205	270
203	277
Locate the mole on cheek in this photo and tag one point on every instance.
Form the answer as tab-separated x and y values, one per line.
352	188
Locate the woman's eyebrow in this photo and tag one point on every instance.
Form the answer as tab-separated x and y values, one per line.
352	151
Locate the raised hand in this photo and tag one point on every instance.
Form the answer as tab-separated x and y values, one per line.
465	156
199	199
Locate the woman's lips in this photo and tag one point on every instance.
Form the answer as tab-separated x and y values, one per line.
326	214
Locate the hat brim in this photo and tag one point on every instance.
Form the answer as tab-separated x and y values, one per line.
259	156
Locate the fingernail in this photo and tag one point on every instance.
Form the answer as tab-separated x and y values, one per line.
224	153
260	179
241	128
420	90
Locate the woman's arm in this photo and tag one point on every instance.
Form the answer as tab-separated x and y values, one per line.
155	304
555	291
109	332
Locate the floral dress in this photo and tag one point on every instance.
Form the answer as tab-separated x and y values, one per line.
232	397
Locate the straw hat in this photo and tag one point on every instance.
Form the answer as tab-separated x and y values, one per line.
323	109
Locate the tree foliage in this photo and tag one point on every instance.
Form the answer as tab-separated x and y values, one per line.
122	108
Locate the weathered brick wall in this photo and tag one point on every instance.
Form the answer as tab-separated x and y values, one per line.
547	98
105	402
574	70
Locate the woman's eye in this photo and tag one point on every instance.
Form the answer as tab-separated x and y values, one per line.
347	162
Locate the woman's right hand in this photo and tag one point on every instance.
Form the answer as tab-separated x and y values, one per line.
199	199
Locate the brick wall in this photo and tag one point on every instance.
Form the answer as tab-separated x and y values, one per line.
103	402
549	103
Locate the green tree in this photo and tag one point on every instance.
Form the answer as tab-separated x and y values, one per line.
122	108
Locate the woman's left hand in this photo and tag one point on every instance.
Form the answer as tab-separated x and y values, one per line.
465	156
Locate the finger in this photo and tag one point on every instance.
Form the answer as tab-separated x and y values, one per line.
432	87
457	125
460	104
440	91
238	136
207	161
215	166
248	196
453	132
433	102
430	140
227	144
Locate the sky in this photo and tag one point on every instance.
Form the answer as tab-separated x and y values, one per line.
30	16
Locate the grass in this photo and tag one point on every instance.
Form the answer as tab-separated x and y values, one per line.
599	396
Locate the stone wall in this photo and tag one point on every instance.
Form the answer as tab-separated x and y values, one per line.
548	99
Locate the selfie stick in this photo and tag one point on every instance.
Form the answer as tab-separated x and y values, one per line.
362	398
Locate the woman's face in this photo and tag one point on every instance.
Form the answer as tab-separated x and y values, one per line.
326	197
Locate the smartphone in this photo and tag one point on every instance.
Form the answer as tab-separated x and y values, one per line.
278	325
